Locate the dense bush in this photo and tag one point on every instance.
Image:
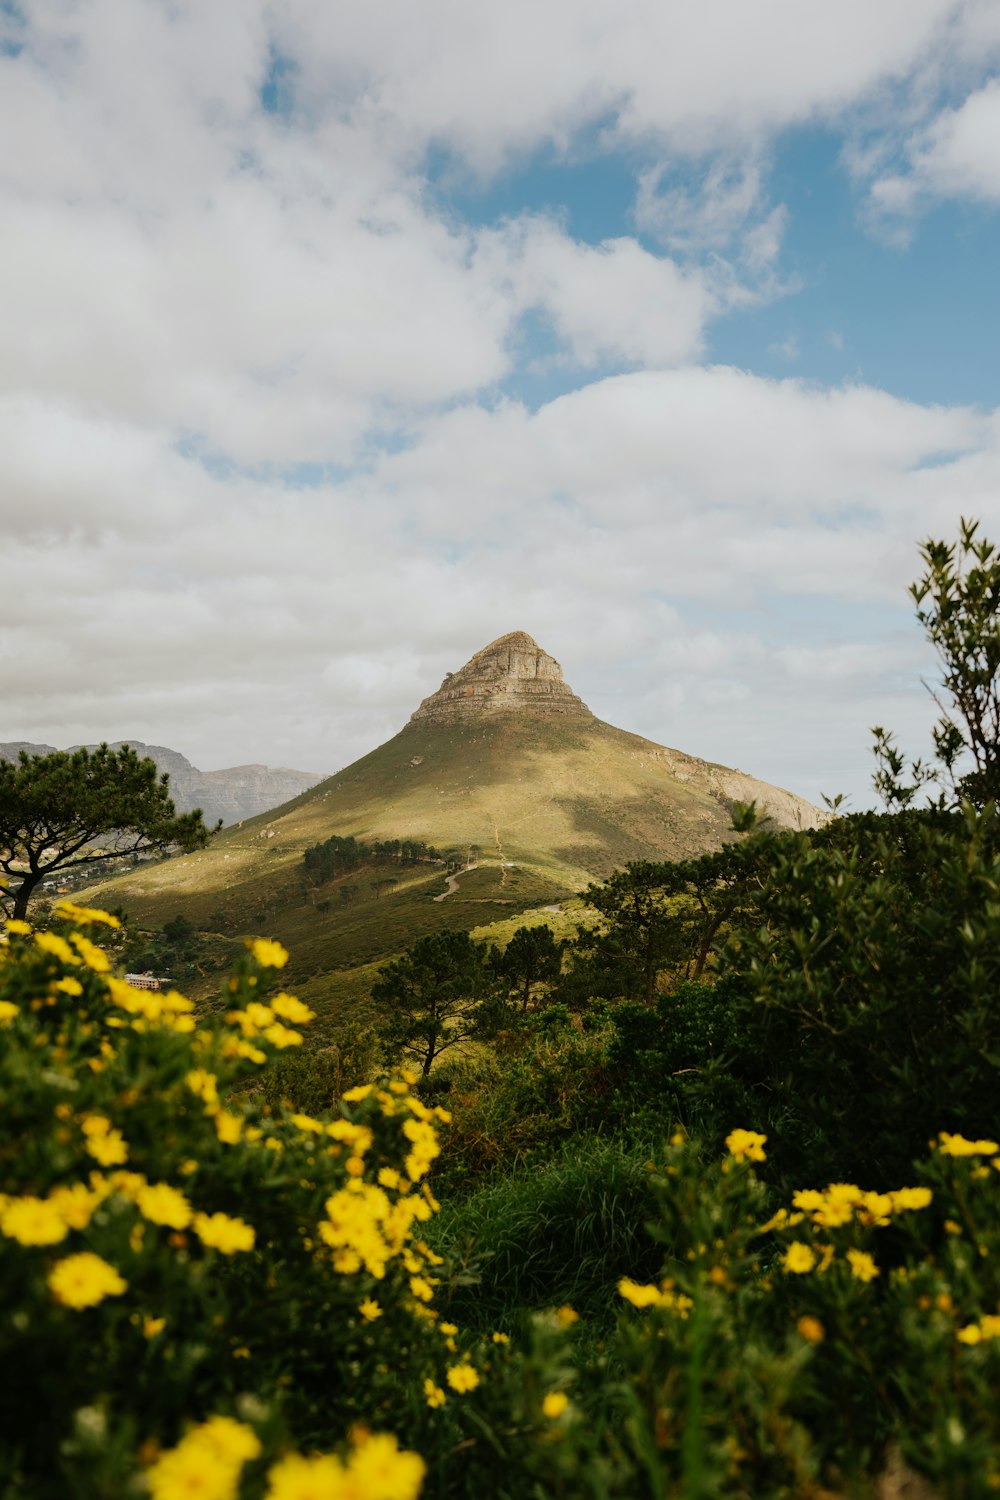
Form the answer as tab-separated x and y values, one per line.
169	1254
862	1005
200	1291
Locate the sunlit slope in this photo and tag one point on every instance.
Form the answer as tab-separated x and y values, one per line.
505	768
563	801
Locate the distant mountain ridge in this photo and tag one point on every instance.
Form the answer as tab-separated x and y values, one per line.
234	794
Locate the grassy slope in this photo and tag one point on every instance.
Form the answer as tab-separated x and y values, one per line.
549	804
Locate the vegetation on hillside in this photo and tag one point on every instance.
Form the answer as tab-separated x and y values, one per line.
73	809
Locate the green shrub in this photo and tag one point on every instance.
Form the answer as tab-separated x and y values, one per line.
863	1002
547	1234
169	1255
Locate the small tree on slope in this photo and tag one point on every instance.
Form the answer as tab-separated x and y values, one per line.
73	809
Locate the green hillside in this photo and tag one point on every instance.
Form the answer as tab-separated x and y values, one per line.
505	773
542	806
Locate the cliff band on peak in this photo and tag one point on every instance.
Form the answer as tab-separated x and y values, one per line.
511	675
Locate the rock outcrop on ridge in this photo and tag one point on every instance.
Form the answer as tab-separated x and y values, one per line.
511	675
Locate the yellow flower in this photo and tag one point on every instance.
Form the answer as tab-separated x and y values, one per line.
289	1008
68	911
877	1208
862	1265
107	1147
957	1145
219	1232
69	986
206	1463
7	1012
567	1316
912	1197
798	1258
76	1204
746	1145
462	1377
268	952
152	1326
282	1036
163	1204
227	1439
554	1404
970	1334
639	1296
424	1143
422	1288
369	1310
379	1470
433	1394
95	958
811	1329
33	1221
228	1127
83	1280
51	942
204	1085
501	1338
296	1478
808	1199
15	924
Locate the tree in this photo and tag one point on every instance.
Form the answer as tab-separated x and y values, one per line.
958	604
668	918
532	957
179	931
64	810
433	995
639	937
862	987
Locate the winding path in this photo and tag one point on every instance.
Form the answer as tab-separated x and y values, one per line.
452	881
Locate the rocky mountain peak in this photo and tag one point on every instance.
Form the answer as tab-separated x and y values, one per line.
511	675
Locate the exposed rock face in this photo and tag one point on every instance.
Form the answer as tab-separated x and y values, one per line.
234	794
512	675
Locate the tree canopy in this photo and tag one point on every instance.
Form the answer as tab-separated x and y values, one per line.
958	604
531	959
75	808
433	995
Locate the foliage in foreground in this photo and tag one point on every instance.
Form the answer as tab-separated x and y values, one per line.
206	1298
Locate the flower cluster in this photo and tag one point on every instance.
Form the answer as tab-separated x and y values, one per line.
838	1205
178	1241
208	1463
664	1296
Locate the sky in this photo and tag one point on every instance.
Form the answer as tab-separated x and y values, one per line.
338	340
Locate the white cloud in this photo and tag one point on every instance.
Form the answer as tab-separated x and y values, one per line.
183	273
491	80
711	213
615	301
959	154
302	627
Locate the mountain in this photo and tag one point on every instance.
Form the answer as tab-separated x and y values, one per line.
240	792
505	770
